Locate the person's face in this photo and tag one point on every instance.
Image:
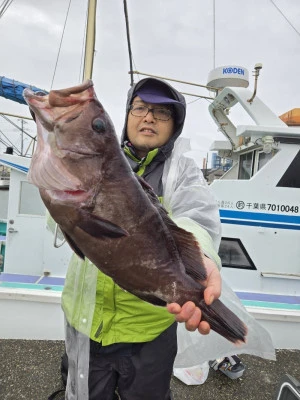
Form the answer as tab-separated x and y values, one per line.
147	133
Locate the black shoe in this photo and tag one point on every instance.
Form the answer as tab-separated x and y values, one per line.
230	366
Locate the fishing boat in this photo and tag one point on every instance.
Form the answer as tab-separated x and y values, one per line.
259	205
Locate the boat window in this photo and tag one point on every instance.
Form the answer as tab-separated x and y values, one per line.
291	177
239	116
263	158
234	255
3	204
245	165
30	200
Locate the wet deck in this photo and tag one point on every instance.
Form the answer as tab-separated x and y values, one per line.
30	369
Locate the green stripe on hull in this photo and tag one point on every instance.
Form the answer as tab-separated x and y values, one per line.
266	304
30	286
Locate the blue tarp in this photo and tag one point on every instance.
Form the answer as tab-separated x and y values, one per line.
13	90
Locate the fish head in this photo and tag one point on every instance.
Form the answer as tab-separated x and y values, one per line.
73	135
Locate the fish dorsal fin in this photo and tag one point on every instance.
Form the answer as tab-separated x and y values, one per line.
187	245
152	197
189	250
99	227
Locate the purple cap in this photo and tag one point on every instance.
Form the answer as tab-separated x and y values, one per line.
159	93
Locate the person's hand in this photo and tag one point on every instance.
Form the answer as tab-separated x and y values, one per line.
189	313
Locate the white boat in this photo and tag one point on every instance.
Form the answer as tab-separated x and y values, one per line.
34	270
259	200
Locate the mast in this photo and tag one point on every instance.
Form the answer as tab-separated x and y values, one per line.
88	67
90	40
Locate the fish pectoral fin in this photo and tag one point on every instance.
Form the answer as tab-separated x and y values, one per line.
189	251
99	227
73	245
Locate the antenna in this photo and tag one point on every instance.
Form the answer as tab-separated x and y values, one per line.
257	68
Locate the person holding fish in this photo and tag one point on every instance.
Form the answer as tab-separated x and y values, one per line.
140	264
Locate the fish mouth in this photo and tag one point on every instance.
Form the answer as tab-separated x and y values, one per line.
75	154
75	196
64	105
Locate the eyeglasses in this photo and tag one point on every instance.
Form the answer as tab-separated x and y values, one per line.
162	114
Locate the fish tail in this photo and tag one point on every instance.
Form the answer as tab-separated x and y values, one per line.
224	321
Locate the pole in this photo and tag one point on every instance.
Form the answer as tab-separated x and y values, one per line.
90	40
174	80
214	34
22	136
128	42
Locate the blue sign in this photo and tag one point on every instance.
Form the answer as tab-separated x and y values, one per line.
233	70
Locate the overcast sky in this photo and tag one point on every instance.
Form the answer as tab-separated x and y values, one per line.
171	38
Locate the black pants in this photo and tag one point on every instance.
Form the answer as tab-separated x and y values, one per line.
139	371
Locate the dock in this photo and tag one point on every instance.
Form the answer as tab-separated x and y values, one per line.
30	369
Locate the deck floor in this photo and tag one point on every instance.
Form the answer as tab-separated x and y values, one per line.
30	369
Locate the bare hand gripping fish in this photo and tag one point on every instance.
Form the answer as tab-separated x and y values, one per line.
110	215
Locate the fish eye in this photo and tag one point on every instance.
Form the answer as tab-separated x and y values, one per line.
99	125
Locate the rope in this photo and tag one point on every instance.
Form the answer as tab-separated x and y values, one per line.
16	126
298	33
5	6
82	48
62	36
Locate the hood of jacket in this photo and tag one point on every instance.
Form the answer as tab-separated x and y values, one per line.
166	149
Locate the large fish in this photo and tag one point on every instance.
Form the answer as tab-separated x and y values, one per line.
110	215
